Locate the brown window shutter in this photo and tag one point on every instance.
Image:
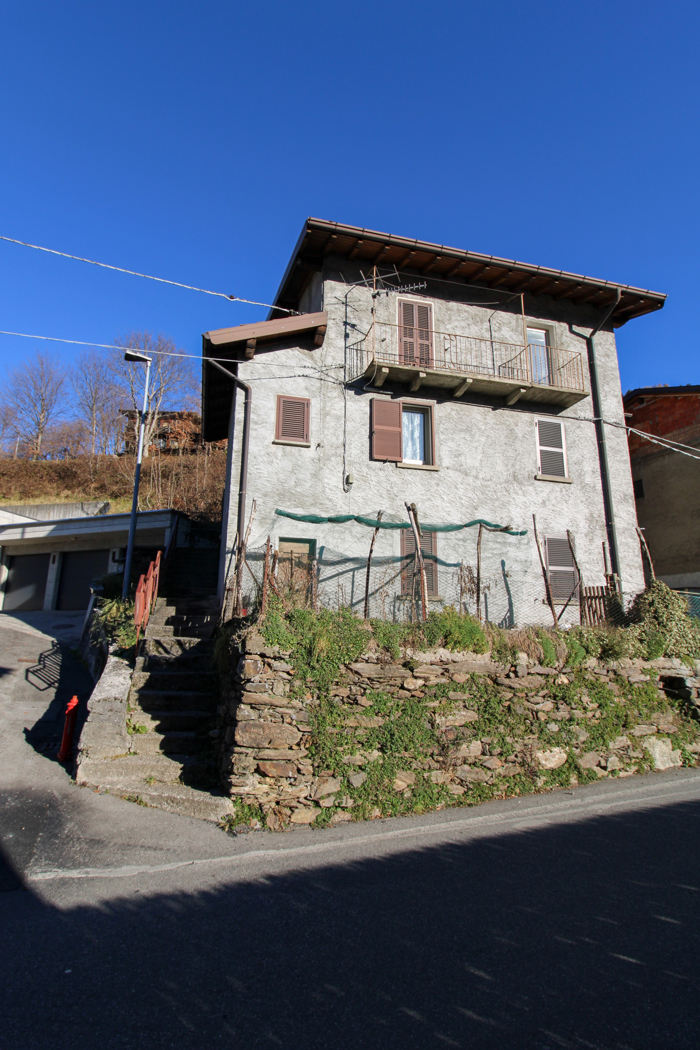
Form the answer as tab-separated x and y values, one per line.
428	545
550	440
386	442
561	570
292	418
415	334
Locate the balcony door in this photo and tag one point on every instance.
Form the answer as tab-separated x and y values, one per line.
539	356
415	334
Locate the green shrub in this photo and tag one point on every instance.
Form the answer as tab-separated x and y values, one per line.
116	618
390	636
456	631
549	652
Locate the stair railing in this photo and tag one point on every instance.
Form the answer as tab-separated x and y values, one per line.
146	596
147	587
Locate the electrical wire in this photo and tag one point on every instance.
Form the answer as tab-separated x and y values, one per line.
148	276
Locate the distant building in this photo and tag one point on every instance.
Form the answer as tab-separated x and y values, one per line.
176	432
666	483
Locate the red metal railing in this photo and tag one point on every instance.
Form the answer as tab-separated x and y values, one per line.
146	596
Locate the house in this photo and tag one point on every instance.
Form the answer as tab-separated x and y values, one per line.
393	371
666	481
175	432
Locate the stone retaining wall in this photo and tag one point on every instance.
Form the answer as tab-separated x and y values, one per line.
268	716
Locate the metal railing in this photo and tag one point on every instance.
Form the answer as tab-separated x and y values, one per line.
466	355
146	596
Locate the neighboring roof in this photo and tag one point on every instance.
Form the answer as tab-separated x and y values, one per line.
659	391
320	238
75	528
243	342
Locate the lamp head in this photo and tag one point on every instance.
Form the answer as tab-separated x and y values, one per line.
134	355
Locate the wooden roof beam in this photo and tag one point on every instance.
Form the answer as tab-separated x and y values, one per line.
356	250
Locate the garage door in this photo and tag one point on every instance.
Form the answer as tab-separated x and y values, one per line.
78	569
26	582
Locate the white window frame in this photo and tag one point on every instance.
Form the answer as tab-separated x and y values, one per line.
539	476
428	408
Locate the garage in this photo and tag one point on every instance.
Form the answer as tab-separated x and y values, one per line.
78	570
26	582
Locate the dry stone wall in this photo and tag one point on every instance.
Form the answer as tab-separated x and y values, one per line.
442	728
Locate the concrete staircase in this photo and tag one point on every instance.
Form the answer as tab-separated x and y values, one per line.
172	703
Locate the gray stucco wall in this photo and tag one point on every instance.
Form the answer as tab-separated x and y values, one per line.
486	453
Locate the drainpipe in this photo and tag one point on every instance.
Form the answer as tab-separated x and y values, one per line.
245	444
602	443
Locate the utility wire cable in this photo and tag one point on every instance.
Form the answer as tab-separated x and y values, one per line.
148	276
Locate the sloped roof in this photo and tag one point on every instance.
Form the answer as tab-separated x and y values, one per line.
320	238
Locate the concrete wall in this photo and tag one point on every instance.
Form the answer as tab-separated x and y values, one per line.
486	453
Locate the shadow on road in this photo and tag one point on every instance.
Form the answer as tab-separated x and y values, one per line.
578	936
60	674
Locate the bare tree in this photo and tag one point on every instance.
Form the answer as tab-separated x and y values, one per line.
34	395
97	400
172	379
8	428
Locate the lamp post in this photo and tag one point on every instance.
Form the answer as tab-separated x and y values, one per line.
134	355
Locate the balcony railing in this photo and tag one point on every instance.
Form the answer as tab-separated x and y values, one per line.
542	373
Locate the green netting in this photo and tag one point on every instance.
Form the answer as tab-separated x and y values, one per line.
375	523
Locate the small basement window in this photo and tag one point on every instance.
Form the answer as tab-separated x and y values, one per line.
561	570
428	545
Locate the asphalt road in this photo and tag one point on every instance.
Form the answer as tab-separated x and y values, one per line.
564	920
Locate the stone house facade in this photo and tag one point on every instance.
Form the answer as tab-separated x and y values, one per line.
466	385
665	482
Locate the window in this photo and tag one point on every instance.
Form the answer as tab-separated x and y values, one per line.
402	432
538	355
561	570
415	333
551	449
292	424
638	488
428	545
295	561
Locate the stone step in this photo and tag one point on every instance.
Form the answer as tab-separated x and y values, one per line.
170	617
174	679
136	769
183	742
153	779
196	663
174	721
174	700
181	649
157	630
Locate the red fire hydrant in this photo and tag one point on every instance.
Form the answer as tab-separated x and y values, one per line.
68	730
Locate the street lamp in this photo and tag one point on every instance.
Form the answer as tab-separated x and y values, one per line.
134	355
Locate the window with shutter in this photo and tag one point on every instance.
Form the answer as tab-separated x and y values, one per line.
551	448
386	431
292	419
561	570
415	334
428	545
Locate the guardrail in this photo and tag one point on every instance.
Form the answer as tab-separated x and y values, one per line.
146	596
448	352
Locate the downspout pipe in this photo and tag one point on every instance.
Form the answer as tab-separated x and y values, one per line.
245	444
602	443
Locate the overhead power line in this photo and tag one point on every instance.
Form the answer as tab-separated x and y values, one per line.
148	276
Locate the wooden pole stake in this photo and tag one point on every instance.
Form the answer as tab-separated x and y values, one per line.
369	564
645	549
413	518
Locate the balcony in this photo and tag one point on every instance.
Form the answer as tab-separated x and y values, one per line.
464	364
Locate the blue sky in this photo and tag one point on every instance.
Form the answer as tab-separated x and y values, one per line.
191	140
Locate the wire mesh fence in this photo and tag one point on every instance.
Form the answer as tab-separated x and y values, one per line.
494	576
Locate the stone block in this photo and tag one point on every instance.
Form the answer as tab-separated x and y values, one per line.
492	763
552	758
404	778
412	684
471	750
266	734
272	768
472	775
461	718
590	760
660	750
325	786
643	730
358	779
